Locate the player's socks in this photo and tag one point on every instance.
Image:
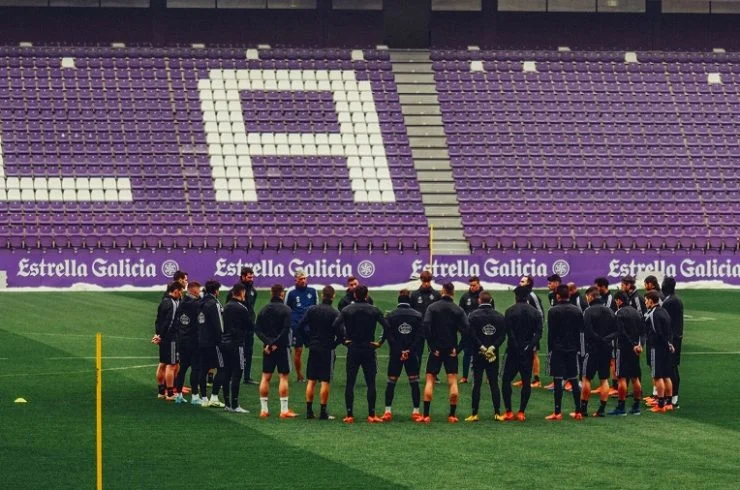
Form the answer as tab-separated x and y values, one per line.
584	406
371	412
170	391
309	410
160	389
415	394
390	390
349	412
324	413
602	408
453	409
283	404
558	395
426	408
263	404
661	402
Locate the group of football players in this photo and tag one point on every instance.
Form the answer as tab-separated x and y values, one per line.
600	333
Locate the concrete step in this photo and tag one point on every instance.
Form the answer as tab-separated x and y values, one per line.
428	142
422	165
423	78
442	211
434	176
450	247
426	131
412	88
403	56
422	120
432	153
439	199
448	223
420	110
411	67
442	187
425	99
447	234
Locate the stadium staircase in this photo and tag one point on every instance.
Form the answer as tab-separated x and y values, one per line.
417	93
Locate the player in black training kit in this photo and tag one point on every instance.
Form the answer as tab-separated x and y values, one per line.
404	335
487	332
565	323
442	321
674	306
600	327
422	298
357	322
273	329
660	338
209	338
536	303
349	295
237	322
246	277
524	325
323	337
189	318
165	335
630	328
575	296
469	303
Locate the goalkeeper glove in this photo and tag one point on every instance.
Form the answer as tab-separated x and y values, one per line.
491	354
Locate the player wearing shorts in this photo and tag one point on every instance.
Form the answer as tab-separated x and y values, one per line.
323	337
660	338
300	298
442	322
405	336
487	332
630	327
358	322
565	323
524	325
273	329
600	327
165	334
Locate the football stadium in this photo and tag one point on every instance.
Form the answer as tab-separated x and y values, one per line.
369	243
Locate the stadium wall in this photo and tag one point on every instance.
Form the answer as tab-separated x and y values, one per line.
146	268
325	27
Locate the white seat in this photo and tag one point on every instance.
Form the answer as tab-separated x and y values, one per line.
229	74
28	195
97	195
219	94
247	184
15	194
358	185
282	75
219	184
335	74
337	85
324	85
358	117
54	195
353	162
231	85
368	173
221	106
242	75
322	75
382	173
211	127
371	117
310	85
366	96
355	106
366	161
232	173
207	105
124	195
374	196
244	162
204	84
39	183
215	74
235	106
250	195
337	150
387	196
217	161
124	184
283	84
351	85
228	149
385	184
240	139
242	149
223	116
234	185
281	139
296	150
378	151
348	75
268	150
353	96
244	84
224	127
360	139
15	183
355	173
111	195
222	195
109	183
213	139
54	183
350	150
218	172
235	116
227	138
96	183
246	172
258	85
310	150
371	184
375	139
271	85
236	195
209	116
365	150
361	196
323	150
230	161
83	195
294	139
283	149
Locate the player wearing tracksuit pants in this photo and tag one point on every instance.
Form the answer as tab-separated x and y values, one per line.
237	322
487	332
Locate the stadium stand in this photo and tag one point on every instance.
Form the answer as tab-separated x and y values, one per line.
602	136
146	147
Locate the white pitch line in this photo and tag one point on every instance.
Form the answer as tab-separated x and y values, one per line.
70	358
90	336
86	371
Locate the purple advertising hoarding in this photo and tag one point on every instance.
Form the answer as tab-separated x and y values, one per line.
150	268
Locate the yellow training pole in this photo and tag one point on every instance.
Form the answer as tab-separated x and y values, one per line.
99	407
431	245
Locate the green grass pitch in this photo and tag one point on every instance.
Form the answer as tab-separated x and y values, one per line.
47	350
